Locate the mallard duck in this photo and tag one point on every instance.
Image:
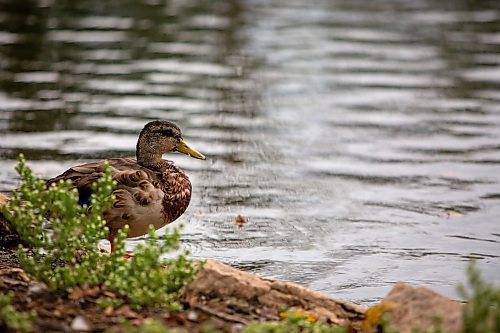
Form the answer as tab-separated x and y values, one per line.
150	190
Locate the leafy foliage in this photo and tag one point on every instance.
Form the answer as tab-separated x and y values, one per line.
63	237
149	326
482	312
11	319
374	316
65	255
146	280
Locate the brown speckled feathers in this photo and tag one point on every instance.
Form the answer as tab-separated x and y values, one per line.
143	196
150	190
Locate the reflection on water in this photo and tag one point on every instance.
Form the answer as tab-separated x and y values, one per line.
360	139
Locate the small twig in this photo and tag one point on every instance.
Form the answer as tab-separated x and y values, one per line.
221	315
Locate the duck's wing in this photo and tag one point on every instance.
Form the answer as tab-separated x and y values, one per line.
138	193
123	170
82	176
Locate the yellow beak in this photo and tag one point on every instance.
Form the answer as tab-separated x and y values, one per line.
185	149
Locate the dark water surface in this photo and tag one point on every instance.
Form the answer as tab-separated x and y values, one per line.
360	138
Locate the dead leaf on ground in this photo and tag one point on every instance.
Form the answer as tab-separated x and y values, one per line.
109	311
78	293
125	310
109	294
75	294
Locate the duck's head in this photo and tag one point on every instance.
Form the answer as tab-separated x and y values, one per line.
160	137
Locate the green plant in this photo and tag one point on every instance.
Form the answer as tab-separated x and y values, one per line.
63	237
482	312
148	326
62	234
109	302
11	319
293	322
145	279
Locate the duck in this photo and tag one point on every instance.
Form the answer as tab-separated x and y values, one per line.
150	190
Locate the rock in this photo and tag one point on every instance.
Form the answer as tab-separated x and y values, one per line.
192	316
80	324
236	328
219	281
37	288
417	307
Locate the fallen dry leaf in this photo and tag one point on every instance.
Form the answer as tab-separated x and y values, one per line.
240	220
125	310
75	294
109	311
109	294
78	293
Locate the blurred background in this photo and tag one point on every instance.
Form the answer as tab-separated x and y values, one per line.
361	139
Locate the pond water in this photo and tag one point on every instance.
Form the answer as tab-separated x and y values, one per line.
361	139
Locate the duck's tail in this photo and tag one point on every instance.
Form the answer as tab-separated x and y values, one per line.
3	200
8	234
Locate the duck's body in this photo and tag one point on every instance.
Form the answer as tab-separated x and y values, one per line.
143	196
149	191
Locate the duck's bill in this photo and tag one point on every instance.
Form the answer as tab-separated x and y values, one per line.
185	149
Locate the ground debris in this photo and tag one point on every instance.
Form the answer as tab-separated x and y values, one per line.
228	290
220	314
14	275
37	288
109	311
78	293
125	311
80	324
221	296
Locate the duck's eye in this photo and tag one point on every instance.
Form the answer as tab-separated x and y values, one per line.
167	132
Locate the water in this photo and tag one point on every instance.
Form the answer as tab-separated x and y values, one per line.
361	139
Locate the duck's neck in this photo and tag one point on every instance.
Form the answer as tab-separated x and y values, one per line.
150	159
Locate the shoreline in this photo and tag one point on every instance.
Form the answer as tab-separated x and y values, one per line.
224	296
